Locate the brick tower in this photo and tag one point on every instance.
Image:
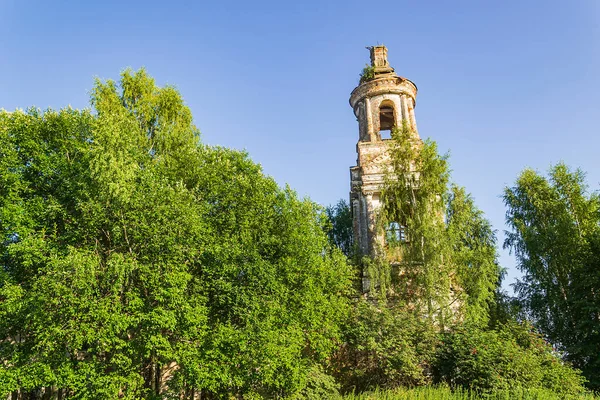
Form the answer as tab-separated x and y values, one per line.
382	101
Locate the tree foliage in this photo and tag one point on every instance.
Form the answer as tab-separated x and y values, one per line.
448	256
509	358
340	231
555	236
386	346
138	263
435	313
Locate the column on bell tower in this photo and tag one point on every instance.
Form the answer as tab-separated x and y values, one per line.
380	103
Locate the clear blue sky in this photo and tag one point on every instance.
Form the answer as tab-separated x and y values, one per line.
502	84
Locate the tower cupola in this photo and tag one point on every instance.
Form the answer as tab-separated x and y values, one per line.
383	99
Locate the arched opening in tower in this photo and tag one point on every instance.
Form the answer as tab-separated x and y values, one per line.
387	119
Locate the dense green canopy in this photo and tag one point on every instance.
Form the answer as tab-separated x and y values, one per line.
555	236
137	262
134	257
448	258
435	313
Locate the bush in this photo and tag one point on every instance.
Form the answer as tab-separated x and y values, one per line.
318	385
384	347
508	358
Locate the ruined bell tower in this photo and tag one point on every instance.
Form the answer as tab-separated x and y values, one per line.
383	100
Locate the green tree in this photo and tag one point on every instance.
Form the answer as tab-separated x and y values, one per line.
437	272
340	231
448	253
556	239
138	263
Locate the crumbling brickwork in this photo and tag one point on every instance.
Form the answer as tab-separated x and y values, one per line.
380	103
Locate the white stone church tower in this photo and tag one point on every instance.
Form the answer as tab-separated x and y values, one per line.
382	101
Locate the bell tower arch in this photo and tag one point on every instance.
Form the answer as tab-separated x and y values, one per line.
383	100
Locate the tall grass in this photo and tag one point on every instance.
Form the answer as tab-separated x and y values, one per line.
444	393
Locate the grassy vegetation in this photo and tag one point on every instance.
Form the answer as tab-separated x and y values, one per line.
444	393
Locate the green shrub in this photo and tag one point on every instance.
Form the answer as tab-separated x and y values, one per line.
384	347
367	74
508	358
318	385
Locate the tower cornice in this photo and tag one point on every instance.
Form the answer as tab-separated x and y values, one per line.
383	85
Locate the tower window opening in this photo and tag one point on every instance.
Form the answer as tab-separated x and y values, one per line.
387	120
395	233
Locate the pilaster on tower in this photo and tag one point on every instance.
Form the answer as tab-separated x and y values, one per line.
382	101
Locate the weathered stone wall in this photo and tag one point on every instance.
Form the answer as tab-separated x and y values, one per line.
366	100
367	177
